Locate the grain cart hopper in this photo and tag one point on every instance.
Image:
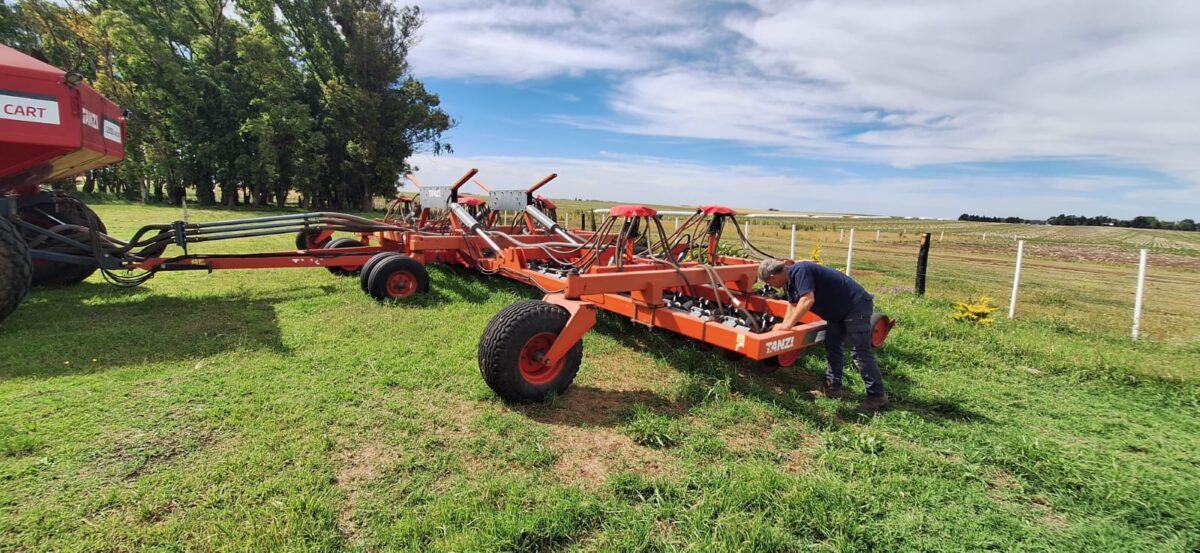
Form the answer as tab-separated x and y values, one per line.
53	126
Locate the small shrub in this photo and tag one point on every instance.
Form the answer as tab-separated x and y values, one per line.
652	430
866	444
815	254
979	312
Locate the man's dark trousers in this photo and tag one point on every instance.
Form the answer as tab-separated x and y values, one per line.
855	329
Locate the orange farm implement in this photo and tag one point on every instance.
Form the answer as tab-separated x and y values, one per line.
628	265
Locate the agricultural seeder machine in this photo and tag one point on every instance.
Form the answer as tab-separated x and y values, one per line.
628	265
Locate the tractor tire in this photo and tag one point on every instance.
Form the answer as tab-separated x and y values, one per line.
16	268
365	274
343	243
512	346
306	239
397	277
72	212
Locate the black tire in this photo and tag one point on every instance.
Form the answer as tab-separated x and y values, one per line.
343	243
16	268
365	273
72	212
306	239
504	343
397	277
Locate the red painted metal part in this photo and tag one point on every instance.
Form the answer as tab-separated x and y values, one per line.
51	129
716	209
631	211
401	284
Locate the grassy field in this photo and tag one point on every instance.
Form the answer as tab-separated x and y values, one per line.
285	411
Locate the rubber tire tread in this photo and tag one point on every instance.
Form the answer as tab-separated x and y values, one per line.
500	349
365	273
65	274
377	282
16	268
302	239
343	243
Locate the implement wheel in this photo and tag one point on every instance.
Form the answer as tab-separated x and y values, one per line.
365	274
72	212
16	268
881	325
343	243
785	359
396	277
308	239
512	347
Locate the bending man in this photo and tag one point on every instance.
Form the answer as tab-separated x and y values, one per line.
846	307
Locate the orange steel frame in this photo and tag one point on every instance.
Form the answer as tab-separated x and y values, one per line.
635	292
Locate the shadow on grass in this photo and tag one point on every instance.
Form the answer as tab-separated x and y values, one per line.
94	326
590	406
786	387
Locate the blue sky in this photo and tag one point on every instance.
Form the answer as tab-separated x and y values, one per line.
926	108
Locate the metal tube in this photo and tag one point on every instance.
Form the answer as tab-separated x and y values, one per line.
470	222
546	221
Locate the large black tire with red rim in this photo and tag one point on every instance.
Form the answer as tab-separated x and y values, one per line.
16	268
344	243
396	277
512	347
365	274
72	212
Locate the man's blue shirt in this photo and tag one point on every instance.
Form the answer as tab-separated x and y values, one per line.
834	293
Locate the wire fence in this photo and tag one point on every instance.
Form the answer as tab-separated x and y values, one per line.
1074	286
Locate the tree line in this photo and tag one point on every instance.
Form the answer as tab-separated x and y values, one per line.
247	101
1141	221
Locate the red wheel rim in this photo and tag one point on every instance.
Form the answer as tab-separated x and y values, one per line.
880	331
788	358
532	368
401	284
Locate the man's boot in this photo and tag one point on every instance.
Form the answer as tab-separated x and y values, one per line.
873	404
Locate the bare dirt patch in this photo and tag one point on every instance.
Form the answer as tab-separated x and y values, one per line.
359	466
588	456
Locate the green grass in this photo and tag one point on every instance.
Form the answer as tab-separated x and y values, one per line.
284	411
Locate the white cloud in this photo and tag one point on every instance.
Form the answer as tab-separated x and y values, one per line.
665	181
907	84
527	39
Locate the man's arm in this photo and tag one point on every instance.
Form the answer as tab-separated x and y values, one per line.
795	311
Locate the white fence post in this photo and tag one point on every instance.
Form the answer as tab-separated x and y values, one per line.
942	237
677	223
1137	301
793	256
746	229
567	220
876	235
985	237
849	252
841	235
1012	303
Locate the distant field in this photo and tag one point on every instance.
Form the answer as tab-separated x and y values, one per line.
283	410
